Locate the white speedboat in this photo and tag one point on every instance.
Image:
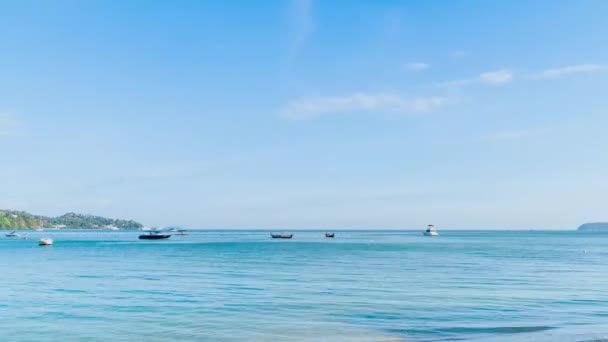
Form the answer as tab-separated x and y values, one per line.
431	231
45	242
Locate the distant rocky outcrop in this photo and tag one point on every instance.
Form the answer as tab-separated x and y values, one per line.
594	227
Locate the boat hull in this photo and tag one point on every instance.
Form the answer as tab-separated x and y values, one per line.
154	237
281	236
431	234
45	242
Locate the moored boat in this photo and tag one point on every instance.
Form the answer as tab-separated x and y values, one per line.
281	236
45	242
12	234
154	235
330	235
431	231
182	232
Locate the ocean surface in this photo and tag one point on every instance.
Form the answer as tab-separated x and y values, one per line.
360	286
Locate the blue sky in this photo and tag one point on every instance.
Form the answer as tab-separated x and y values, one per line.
307	114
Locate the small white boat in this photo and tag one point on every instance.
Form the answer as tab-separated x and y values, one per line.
39	229
45	242
431	231
13	234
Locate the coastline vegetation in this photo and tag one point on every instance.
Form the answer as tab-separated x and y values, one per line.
13	219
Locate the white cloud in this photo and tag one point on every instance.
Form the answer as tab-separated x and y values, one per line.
504	76
387	103
569	70
493	78
416	67
496	77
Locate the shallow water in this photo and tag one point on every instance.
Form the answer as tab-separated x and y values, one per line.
360	286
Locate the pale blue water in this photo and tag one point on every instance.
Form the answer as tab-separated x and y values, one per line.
360	286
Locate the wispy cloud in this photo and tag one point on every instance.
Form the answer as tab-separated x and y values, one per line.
498	77
425	104
504	76
302	21
415	66
569	70
385	103
492	78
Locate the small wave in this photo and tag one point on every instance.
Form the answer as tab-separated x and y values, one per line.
496	330
70	291
464	331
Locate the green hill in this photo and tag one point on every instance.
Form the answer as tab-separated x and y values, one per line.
17	219
11	219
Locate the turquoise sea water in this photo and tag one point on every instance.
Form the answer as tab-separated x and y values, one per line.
360	286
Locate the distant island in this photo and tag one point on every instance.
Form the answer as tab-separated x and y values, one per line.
594	227
12	219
